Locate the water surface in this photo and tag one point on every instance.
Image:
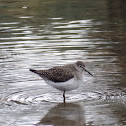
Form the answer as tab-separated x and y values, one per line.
42	34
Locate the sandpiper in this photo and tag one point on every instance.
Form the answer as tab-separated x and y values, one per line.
64	78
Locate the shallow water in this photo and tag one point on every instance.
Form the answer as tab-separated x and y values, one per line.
42	34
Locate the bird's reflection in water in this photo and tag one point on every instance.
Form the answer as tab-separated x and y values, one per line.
64	114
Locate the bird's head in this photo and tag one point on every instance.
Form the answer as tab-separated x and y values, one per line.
81	67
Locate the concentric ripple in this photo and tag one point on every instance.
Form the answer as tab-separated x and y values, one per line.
26	97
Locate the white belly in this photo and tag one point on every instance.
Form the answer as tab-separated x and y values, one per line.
67	86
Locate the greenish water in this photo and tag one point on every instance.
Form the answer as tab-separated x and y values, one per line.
44	33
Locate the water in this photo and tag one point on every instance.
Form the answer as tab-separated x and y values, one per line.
42	34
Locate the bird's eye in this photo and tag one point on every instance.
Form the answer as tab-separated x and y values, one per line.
80	66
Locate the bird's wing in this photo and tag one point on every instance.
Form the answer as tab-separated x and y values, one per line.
56	75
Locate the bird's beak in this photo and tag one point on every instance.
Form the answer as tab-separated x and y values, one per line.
87	71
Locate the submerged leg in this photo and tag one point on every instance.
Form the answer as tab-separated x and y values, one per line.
64	96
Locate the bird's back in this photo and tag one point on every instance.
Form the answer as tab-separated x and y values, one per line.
55	74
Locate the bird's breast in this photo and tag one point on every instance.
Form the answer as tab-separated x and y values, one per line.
71	84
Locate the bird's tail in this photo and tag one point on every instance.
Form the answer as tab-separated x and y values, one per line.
32	70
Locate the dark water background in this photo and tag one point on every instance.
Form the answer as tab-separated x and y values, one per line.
44	33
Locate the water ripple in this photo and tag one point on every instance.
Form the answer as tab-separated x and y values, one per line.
27	97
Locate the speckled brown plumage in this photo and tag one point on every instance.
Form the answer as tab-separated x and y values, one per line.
56	74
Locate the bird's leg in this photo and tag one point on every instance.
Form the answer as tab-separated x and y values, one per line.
64	96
